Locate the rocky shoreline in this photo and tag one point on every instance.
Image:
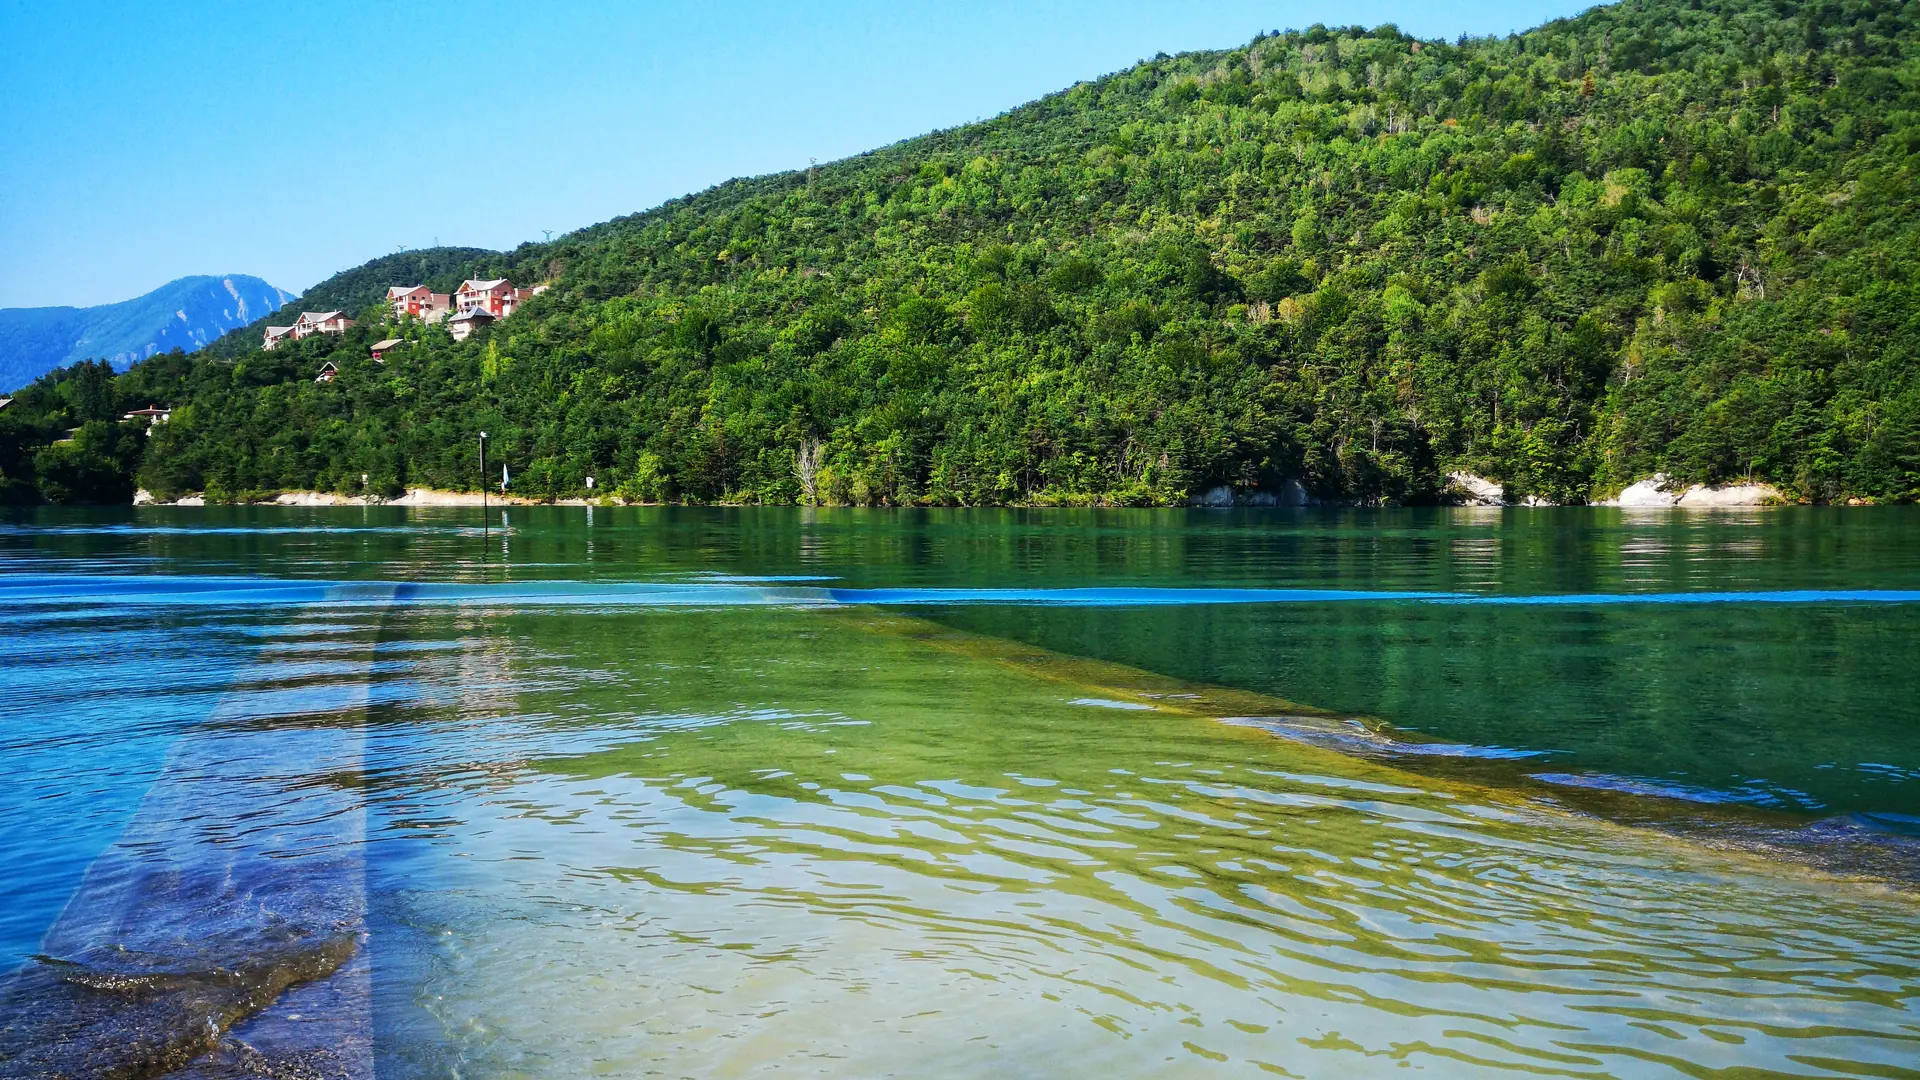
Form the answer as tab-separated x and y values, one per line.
1468	489
1652	493
1463	489
413	497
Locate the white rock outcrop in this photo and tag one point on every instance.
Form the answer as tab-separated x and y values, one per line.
1648	492
1732	495
1471	490
1654	492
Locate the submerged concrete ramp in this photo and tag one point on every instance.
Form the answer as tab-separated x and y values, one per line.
223	933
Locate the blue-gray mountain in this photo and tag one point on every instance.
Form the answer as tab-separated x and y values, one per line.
185	314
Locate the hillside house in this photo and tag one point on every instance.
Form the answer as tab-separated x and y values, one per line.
464	324
497	297
417	301
275	335
328	373
380	348
320	322
152	414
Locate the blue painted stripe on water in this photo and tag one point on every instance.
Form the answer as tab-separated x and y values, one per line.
253	591
1781	596
1118	597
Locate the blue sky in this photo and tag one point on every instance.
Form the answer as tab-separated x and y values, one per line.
140	143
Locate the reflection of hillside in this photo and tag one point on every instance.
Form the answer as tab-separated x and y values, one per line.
1724	696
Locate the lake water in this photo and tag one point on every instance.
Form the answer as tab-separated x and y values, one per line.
730	792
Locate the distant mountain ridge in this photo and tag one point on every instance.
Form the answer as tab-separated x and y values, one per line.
187	314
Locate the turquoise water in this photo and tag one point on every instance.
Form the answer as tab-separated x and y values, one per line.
712	792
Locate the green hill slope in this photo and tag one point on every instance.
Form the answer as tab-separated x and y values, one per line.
1668	236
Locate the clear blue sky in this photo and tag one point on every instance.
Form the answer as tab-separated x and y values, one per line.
144	142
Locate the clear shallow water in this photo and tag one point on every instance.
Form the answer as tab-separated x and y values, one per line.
743	823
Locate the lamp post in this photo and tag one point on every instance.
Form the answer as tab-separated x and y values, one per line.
485	516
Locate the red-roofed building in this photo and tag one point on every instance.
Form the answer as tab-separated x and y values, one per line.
418	302
152	414
496	297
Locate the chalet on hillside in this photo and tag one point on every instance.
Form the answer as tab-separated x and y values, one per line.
418	302
380	348
275	335
496	297
464	324
328	373
152	414
320	322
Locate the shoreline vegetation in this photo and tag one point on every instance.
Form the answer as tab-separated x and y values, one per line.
1674	241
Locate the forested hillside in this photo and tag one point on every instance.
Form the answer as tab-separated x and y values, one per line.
1673	236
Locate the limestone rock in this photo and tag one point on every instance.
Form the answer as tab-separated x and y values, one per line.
1732	495
1471	490
1653	492
1648	492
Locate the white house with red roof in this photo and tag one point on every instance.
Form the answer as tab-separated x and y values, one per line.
320	322
497	297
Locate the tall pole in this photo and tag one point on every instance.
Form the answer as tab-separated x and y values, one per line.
486	518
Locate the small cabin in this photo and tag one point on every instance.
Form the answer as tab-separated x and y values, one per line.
380	348
464	324
152	414
328	373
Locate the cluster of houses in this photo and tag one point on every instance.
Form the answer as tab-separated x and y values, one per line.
473	306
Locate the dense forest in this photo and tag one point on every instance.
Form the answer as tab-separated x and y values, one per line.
1673	236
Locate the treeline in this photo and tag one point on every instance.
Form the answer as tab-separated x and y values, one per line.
1673	236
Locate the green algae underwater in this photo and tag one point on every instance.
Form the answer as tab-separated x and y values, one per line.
852	826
